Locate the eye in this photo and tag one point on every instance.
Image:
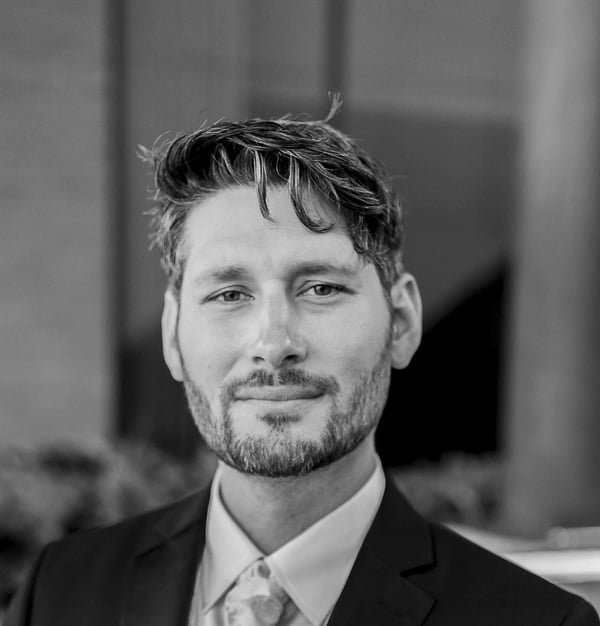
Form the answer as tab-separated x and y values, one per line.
322	290
231	296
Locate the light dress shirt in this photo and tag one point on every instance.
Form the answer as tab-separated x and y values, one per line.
312	567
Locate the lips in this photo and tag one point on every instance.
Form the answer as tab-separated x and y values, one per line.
277	394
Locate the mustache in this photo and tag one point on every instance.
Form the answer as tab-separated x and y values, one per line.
291	377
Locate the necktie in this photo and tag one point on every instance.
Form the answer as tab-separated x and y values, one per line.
256	599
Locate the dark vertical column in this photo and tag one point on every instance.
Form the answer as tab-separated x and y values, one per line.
553	426
116	184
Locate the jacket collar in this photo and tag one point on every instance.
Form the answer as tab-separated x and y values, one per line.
164	570
180	517
379	590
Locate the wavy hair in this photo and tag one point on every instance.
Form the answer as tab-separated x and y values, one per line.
307	157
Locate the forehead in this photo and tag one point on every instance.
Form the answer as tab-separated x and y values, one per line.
229	228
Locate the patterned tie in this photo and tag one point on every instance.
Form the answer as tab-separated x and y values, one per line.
256	599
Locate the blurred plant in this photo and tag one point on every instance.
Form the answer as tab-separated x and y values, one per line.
460	489
49	492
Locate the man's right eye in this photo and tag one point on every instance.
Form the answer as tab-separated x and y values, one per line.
231	296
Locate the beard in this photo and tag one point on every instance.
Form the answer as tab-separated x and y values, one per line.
278	453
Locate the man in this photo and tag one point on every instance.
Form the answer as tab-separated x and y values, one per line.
286	307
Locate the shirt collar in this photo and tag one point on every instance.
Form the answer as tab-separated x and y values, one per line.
227	552
312	567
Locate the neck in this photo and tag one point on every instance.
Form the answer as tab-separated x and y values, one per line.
272	511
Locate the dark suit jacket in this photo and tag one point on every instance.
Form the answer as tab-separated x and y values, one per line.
408	572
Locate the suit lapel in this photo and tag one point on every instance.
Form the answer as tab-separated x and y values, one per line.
378	591
164	571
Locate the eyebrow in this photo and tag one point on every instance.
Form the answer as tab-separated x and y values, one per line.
222	274
234	272
321	267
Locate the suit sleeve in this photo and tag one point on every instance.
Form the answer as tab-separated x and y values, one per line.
582	614
20	609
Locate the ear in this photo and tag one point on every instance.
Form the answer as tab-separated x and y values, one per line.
170	343
406	319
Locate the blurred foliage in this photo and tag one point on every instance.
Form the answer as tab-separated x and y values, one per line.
48	492
460	489
52	491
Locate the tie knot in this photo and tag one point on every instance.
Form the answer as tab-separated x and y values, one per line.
256	598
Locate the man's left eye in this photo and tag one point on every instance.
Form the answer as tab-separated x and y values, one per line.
323	290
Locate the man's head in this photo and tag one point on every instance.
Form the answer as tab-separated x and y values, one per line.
287	304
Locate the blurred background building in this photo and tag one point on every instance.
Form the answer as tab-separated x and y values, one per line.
485	111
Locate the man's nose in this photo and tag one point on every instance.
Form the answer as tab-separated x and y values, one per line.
277	342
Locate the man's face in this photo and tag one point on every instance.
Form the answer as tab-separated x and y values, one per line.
282	336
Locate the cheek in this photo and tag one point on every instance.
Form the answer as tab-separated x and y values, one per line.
207	356
354	349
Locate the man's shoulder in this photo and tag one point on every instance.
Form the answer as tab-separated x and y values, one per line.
463	559
86	576
470	583
467	573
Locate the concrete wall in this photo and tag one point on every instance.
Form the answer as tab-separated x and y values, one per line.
54	306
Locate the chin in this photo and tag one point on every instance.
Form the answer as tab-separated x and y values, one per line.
283	455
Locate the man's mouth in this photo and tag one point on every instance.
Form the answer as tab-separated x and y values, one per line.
278	394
